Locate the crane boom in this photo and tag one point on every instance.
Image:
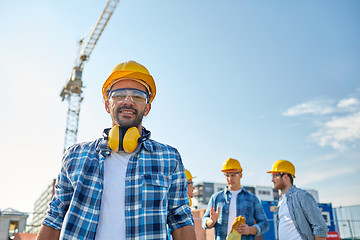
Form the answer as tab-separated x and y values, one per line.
72	91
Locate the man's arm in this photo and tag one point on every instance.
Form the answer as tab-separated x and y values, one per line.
48	233
179	213
54	217
319	238
210	216
213	217
313	214
186	232
262	224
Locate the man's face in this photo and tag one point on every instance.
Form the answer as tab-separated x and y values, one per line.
233	180
277	179
190	188
126	112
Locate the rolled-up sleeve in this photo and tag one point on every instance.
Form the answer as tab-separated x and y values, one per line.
179	214
313	214
60	203
262	224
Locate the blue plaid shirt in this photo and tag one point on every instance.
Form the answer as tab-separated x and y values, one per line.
247	205
155	192
305	213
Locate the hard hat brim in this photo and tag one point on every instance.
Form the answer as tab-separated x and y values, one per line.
280	172
231	170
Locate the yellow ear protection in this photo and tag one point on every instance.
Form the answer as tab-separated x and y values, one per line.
126	139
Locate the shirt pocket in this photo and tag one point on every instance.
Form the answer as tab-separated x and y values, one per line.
224	213
154	192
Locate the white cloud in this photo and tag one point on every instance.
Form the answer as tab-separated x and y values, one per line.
342	125
314	107
349	103
313	177
322	107
338	131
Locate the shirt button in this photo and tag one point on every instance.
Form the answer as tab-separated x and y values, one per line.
157	181
96	212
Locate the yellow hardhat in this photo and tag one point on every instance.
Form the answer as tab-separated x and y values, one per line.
133	70
283	166
188	175
230	165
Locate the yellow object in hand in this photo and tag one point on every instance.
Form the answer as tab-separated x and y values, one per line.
235	235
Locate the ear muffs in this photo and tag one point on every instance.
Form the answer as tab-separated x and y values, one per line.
126	139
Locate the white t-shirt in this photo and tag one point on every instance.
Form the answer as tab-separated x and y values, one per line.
112	214
232	209
287	230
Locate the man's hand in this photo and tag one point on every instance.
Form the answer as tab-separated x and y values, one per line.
246	230
213	217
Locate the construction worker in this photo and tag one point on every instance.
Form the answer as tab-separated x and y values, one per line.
190	183
299	216
123	185
231	202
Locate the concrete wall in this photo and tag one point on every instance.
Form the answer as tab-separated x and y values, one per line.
5	224
201	234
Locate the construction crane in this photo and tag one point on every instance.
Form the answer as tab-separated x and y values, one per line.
73	90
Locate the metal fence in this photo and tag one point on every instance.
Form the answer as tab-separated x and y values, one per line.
348	221
349	229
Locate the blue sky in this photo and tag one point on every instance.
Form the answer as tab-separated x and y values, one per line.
256	81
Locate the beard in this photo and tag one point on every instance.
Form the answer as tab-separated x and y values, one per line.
127	123
280	185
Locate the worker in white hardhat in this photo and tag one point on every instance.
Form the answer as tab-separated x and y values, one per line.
227	205
123	185
298	212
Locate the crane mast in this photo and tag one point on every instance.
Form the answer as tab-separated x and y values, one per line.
73	89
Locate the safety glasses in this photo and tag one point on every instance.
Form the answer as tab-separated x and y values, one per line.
234	174
277	175
136	95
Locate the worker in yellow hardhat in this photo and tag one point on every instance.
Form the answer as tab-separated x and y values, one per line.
232	202
298	212
280	168
190	183
130	70
129	79
124	181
